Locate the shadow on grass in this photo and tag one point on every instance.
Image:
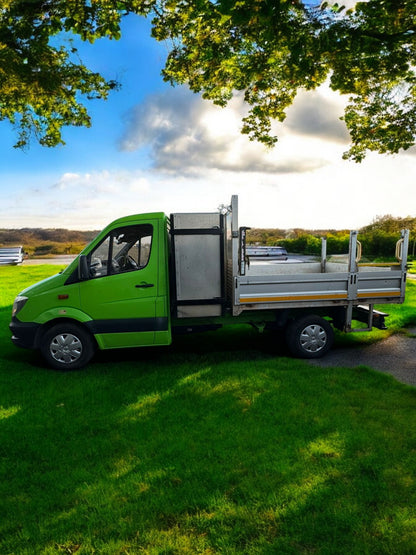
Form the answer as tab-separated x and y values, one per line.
234	343
205	448
217	444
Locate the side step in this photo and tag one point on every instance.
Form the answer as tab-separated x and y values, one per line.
367	314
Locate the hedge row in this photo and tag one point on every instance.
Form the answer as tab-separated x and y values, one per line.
377	244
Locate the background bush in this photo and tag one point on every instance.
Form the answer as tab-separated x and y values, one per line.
378	238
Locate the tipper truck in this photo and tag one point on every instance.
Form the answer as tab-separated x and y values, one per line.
148	276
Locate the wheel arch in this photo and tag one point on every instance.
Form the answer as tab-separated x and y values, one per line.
285	316
295	328
44	328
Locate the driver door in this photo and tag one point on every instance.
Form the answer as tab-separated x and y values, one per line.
121	292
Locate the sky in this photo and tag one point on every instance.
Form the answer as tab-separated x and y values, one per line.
153	147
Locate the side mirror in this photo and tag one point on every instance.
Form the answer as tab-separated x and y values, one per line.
83	270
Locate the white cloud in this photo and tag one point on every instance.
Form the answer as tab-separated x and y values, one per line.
187	135
348	4
66	179
317	114
93	183
339	195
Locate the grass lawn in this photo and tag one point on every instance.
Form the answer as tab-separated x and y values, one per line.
216	445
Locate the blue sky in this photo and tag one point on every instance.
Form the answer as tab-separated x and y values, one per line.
153	147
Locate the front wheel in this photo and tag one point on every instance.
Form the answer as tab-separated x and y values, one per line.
309	337
67	346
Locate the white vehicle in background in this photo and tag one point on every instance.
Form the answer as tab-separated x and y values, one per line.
11	255
266	253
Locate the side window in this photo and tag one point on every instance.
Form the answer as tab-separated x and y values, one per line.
124	250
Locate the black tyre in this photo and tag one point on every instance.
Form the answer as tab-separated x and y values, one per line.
309	337
67	346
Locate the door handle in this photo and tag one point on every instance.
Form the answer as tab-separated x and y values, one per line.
144	285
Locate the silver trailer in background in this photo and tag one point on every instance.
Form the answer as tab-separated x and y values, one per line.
11	255
212	280
266	253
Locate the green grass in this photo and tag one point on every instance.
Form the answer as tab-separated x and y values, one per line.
214	445
401	316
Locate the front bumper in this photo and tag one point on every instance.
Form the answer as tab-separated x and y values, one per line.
24	333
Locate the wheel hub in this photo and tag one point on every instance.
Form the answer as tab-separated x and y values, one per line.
313	338
66	348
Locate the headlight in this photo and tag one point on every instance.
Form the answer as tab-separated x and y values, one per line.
18	304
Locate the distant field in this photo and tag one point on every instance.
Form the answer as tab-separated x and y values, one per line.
216	445
39	243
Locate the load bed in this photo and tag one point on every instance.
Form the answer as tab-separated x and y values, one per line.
340	282
213	275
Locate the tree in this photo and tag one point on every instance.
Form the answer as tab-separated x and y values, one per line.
42	82
268	49
272	48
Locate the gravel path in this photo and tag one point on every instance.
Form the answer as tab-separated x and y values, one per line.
395	355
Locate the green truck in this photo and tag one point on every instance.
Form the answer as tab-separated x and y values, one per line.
146	277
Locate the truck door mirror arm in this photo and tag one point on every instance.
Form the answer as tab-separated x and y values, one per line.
83	270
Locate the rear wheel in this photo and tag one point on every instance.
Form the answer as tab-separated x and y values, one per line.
67	346
309	337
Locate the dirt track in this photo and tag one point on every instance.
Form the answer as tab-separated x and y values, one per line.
396	355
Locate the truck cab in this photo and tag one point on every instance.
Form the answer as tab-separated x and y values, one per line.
115	294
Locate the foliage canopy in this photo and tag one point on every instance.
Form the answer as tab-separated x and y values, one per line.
42	80
268	49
